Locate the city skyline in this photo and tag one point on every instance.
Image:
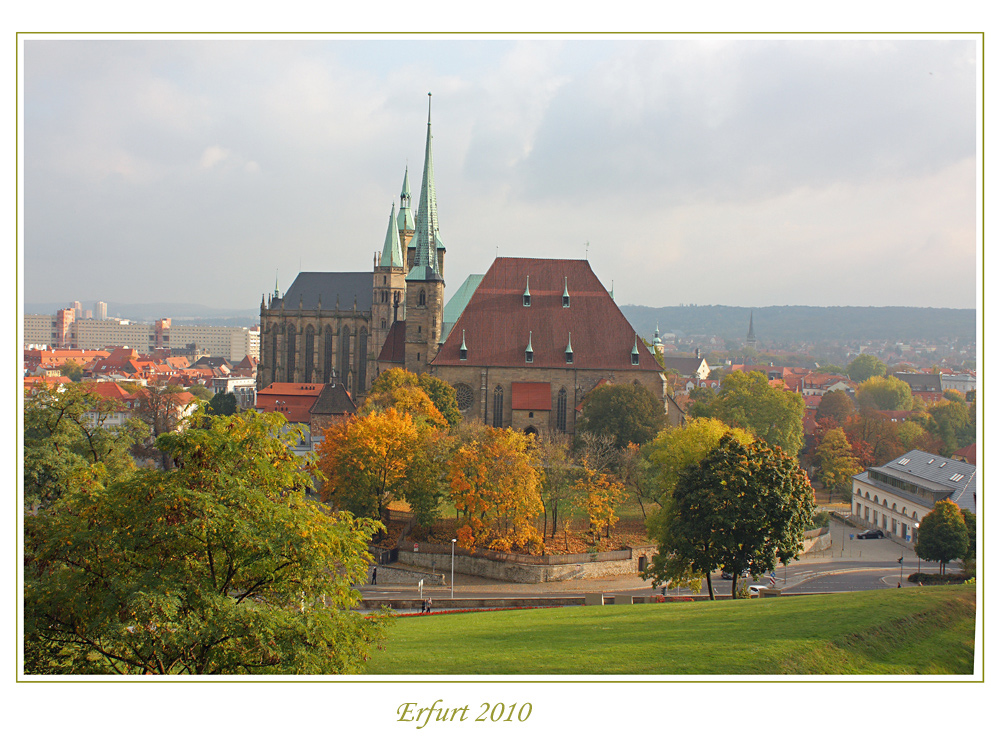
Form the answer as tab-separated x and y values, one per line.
704	170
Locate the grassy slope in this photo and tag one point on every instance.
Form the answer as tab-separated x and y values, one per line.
910	631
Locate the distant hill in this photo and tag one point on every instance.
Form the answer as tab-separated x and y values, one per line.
808	323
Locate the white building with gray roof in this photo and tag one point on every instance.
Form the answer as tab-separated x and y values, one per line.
896	496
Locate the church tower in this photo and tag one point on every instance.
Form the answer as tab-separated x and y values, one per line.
388	283
751	337
424	281
404	221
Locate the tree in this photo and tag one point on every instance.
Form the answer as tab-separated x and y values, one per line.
774	415
888	393
161	409
969	558
950	421
422	396
199	390
496	485
629	413
874	438
836	405
72	370
223	403
863	367
744	507
677	448
836	459
557	473
367	461
67	442
598	494
219	566
943	535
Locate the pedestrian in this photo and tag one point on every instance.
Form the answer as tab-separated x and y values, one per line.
375	575
423	605
430	602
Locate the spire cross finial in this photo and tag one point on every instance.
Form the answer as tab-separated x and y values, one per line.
428	108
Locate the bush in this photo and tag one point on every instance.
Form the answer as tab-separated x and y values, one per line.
924	578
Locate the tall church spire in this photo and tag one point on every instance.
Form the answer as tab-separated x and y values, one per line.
405	220
751	338
392	254
426	239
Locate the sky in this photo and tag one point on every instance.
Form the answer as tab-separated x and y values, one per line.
689	169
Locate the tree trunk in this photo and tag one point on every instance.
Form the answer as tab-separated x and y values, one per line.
711	591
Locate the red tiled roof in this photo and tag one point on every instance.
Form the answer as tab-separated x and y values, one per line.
497	324
531	395
968	453
293	400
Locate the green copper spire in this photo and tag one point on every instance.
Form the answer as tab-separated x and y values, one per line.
426	239
405	220
392	253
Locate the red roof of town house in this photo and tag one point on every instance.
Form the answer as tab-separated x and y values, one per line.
967	454
531	395
812	401
293	400
498	326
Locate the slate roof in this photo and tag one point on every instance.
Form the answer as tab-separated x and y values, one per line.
334	399
328	287
921	381
497	324
686	366
931	472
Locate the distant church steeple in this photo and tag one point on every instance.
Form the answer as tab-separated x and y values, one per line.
751	338
427	239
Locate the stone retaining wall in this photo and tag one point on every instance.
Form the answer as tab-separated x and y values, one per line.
392	575
514	572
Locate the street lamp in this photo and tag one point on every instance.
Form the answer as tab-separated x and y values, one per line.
453	568
915	527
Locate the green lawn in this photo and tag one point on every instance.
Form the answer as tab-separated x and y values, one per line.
909	631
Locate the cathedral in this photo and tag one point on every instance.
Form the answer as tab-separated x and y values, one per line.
522	345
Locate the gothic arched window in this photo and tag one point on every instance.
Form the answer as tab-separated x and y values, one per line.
362	360
422	299
290	349
310	349
561	410
327	354
344	361
498	406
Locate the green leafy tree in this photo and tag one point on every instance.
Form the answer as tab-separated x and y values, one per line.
677	448
199	390
951	422
884	393
969	559
943	535
749	402
223	403
72	370
628	413
219	566
836	459
863	367
744	507
835	405
67	441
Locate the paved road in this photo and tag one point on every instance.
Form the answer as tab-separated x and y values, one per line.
849	565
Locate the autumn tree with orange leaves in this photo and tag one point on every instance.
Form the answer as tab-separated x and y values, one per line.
367	461
598	493
495	482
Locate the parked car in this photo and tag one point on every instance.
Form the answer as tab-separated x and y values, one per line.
756	589
872	533
729	576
